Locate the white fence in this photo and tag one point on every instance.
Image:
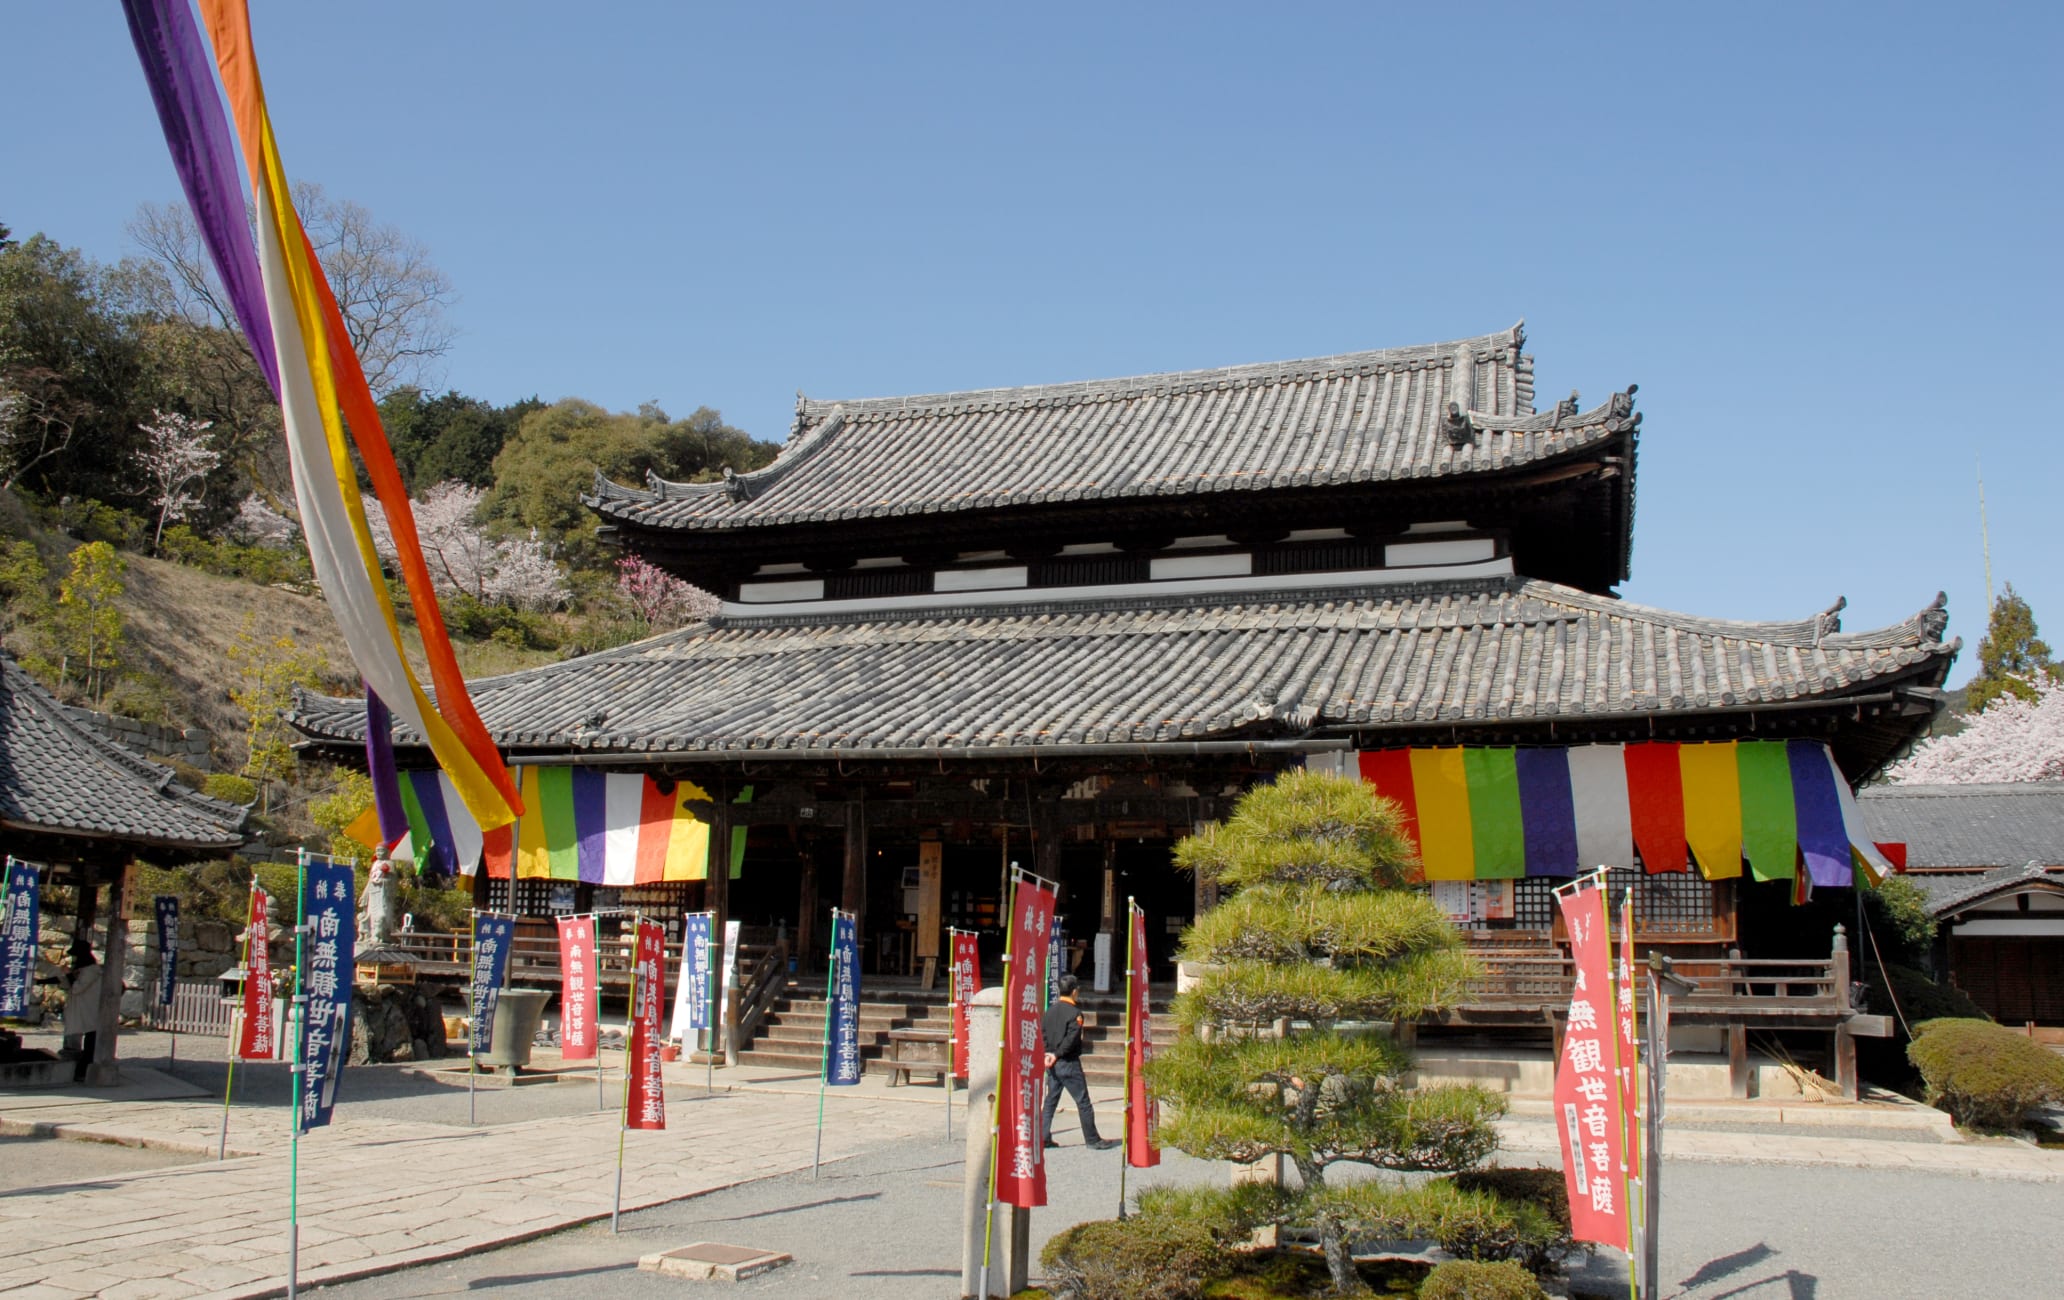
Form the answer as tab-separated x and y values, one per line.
197	1008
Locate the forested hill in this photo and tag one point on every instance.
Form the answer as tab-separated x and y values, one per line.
150	561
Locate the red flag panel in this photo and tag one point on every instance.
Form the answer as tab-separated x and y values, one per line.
967	981
579	1007
1655	805
254	1037
1587	1092
1020	1085
1140	1151
645	1106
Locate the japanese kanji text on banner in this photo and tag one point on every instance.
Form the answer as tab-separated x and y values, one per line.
1587	1088
842	1061
647	1091
332	918
967	981
18	938
579	1007
1140	1151
692	993
1020	1084
490	972
167	908
254	1033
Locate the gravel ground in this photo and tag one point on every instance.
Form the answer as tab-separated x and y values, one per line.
886	1227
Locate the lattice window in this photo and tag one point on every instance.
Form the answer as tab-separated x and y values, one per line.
1677	903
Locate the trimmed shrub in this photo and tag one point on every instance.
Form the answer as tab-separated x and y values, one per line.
1984	1074
1181	1240
1463	1279
1538	1200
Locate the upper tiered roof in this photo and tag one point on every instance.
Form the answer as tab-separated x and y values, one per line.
1427	414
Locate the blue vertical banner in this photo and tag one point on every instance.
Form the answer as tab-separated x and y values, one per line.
168	946
1056	959
18	933
490	971
331	916
693	993
842	1065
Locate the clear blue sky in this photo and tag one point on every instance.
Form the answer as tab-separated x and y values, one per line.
1822	238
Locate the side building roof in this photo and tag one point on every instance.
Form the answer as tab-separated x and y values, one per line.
1362	417
1970	827
1381	664
60	780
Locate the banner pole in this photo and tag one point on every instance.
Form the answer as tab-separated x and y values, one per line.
709	1001
996	1095
236	1025
595	975
1628	1123
952	1011
623	1118
472	1030
824	1058
300	1074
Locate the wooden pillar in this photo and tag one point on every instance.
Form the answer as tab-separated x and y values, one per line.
806	903
853	895
1046	835
1109	923
718	888
1845	1042
1737	1060
116	957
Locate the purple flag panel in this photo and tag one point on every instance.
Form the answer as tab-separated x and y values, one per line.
1823	839
167	908
379	752
842	1059
590	819
181	74
1548	811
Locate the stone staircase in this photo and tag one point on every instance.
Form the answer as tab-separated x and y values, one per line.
792	1036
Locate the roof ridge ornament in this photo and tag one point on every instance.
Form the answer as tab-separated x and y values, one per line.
1934	620
1829	620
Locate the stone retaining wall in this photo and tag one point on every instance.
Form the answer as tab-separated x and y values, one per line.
186	745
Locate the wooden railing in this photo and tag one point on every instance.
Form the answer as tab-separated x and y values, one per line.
753	996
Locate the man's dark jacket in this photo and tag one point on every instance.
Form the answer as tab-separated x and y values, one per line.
1063	1030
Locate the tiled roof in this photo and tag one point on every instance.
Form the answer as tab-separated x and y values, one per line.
58	778
1951	892
1970	826
1168	669
1363	417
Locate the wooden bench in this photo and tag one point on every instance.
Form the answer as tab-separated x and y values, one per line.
916	1051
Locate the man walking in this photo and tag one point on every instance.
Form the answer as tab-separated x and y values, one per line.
1063	1030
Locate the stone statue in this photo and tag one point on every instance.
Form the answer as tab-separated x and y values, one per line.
382	915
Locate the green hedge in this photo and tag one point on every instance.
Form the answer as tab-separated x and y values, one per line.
1984	1074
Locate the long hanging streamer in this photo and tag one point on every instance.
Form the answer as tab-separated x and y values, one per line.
296	330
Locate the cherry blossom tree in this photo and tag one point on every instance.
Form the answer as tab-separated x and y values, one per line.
659	599
463	559
2013	739
258	524
176	455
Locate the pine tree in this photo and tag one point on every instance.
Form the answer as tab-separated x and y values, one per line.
2010	655
1283	1048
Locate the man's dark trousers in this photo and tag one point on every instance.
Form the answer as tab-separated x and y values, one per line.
1068	1074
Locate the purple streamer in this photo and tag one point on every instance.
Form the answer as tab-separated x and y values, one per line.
181	74
590	821
1823	839
379	753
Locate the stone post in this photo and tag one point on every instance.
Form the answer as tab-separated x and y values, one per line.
115	958
1010	1243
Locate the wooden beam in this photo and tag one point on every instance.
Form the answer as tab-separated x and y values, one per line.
853	895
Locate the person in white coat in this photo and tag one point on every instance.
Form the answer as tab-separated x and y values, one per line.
82	1011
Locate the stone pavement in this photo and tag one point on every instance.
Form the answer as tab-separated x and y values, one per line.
380	1193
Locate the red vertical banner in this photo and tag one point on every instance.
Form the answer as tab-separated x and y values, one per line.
1020	1168
578	1008
645	1098
967	981
254	1036
1140	1151
1587	1088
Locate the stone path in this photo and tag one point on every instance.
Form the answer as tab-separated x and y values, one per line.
382	1194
